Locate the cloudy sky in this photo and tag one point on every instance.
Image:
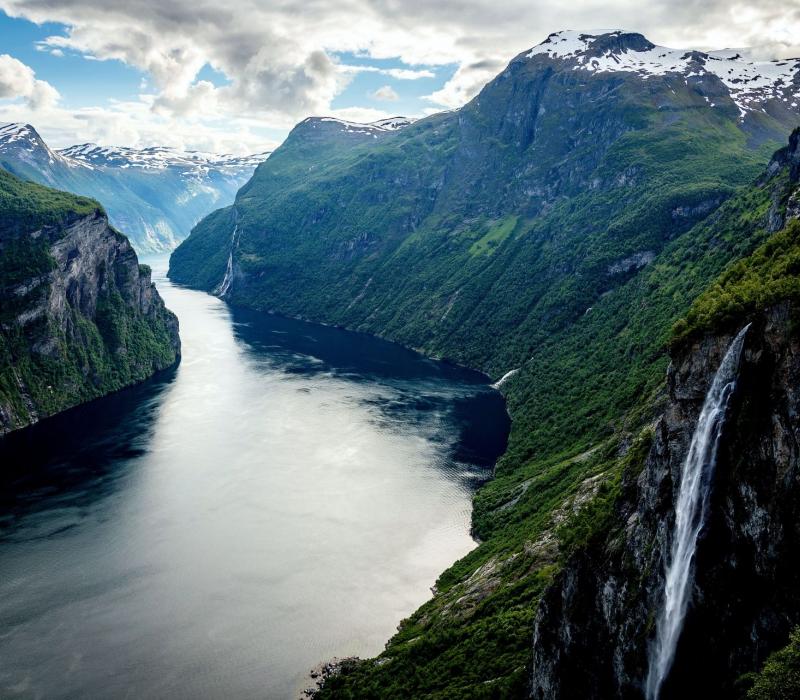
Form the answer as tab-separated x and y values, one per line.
235	75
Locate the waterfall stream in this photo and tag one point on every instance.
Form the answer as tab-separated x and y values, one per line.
690	516
225	285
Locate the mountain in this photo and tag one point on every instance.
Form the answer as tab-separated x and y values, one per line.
550	233
479	189
154	194
79	317
746	585
772	87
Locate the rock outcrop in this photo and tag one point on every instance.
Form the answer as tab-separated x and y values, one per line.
79	317
596	623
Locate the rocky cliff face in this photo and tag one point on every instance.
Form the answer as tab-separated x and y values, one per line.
79	317
91	262
595	625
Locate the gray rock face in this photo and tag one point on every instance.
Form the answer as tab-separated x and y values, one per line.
793	155
94	323
85	253
634	262
596	623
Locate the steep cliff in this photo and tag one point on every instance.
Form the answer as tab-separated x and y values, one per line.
595	628
595	625
79	317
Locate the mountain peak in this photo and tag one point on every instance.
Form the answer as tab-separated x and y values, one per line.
19	132
367	128
750	82
24	141
570	43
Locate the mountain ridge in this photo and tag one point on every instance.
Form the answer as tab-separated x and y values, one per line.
155	194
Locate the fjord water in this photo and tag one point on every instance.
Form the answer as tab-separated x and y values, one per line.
287	494
690	515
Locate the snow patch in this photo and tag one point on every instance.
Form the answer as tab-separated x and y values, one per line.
369	129
749	82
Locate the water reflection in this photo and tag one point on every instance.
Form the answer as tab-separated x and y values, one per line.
77	456
288	493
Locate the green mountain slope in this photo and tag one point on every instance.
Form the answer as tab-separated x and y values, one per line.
594	390
474	235
79	316
557	226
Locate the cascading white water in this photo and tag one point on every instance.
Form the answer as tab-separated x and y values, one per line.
225	285
690	515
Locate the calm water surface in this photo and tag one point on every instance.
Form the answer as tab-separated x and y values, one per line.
287	494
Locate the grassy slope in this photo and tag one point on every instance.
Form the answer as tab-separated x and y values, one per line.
26	206
117	347
770	275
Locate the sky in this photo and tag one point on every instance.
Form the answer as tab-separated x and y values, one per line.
234	76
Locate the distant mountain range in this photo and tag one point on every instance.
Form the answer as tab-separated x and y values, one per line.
153	195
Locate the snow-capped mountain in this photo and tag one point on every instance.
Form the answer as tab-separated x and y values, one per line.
374	129
392	123
154	195
750	83
22	142
388	124
160	158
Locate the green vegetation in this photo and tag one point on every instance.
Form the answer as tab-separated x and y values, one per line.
210	254
593	387
780	677
27	207
51	359
582	390
497	233
770	275
569	256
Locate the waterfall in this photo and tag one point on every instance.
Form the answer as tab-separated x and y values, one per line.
225	285
690	515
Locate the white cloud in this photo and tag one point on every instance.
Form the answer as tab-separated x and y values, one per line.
407	74
385	94
362	115
19	81
466	83
134	124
